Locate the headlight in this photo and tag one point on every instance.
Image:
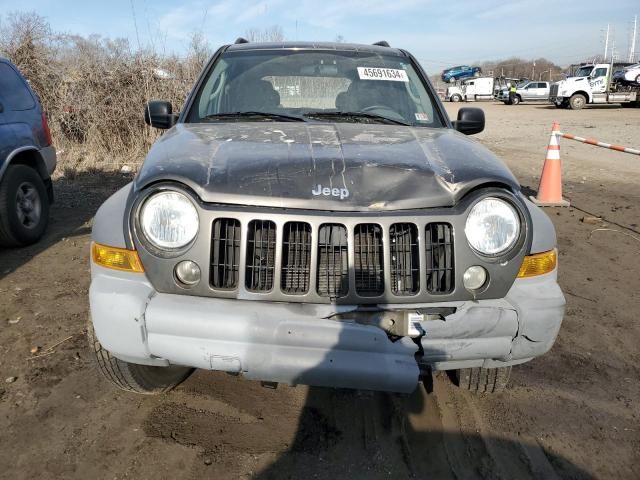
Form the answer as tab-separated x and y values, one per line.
492	227
169	220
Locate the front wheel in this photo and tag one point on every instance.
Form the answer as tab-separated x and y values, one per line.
482	380
24	207
132	377
456	98
516	100
577	101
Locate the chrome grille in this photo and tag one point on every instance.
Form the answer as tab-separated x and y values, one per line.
553	92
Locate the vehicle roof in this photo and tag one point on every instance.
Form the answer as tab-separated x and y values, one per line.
349	47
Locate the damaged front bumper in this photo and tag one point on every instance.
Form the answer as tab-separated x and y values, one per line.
320	344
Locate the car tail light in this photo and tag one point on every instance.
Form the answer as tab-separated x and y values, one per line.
47	132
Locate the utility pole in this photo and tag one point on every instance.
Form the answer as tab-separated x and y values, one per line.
606	43
632	49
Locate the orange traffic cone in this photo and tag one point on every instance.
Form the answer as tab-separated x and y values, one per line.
550	189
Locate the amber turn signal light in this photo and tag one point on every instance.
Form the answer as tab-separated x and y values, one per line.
116	258
538	264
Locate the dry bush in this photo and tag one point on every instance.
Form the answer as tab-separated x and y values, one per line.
94	89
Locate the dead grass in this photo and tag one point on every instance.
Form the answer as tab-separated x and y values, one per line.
94	90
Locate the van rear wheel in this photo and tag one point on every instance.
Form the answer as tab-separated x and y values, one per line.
132	377
24	207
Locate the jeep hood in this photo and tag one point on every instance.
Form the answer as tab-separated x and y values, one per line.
281	164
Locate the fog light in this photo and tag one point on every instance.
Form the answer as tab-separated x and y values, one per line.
188	272
474	277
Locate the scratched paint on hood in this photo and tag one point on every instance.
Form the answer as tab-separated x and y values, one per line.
278	164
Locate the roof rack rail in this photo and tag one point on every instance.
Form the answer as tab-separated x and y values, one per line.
241	40
382	43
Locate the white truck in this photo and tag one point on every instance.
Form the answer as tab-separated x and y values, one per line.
593	84
471	90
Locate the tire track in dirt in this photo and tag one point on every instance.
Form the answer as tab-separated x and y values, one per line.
243	429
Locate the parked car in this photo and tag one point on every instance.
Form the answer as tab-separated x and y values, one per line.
27	160
457	73
628	75
343	233
529	91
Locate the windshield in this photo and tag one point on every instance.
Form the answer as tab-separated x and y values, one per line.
315	86
584	71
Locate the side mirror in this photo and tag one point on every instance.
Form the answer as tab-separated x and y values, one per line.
470	121
159	114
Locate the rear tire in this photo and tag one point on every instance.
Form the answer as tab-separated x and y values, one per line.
133	377
482	380
24	207
577	101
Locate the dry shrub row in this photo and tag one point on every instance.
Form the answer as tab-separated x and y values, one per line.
94	89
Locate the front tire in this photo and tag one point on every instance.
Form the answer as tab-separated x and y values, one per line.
577	101
482	380
24	207
516	100
456	98
132	377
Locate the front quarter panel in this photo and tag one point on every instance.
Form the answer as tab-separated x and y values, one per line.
110	222
544	233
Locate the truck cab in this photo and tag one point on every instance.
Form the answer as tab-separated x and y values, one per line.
471	89
591	84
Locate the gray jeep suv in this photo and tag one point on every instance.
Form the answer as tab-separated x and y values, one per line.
27	160
312	216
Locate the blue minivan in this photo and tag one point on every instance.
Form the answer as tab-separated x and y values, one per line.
27	160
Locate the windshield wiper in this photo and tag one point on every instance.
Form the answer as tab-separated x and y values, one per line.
369	116
255	115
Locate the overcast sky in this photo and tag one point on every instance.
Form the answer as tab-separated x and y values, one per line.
439	33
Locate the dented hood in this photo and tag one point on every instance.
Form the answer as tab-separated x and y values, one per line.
323	166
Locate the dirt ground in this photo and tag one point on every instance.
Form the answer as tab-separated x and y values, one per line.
574	413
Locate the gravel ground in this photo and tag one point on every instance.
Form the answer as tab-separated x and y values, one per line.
573	413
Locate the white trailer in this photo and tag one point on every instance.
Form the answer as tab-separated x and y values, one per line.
471	90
